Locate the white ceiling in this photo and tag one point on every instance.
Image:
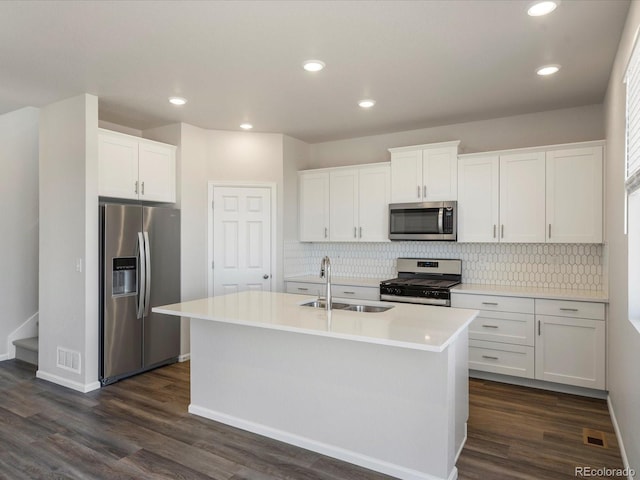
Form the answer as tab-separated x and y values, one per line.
426	63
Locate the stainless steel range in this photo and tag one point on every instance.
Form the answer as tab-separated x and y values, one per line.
423	280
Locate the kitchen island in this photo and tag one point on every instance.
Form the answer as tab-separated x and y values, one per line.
385	390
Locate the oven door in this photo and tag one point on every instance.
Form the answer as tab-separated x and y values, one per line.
420	221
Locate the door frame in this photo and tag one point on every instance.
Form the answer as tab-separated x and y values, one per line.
272	187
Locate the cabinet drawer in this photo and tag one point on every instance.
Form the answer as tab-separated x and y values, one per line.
515	360
492	303
503	327
304	288
349	291
567	308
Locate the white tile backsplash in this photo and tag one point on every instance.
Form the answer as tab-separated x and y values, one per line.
570	266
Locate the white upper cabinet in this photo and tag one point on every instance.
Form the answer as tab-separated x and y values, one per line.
547	194
424	173
574	195
374	194
478	199
313	202
135	168
522	197
117	166
345	204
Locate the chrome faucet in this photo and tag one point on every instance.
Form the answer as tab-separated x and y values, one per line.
325	272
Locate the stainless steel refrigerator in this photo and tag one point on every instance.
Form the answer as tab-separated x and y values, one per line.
139	269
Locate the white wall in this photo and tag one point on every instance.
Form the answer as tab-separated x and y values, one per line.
18	222
623	340
295	154
68	184
544	128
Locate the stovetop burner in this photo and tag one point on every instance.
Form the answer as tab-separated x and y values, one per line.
423	280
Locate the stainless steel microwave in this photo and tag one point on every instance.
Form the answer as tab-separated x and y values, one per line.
423	221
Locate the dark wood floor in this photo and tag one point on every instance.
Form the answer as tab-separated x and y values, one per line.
139	429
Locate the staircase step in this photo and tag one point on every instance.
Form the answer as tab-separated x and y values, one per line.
30	344
27	350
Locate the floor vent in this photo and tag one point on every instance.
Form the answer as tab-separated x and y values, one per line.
595	438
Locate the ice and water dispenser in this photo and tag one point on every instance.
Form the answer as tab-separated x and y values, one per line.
125	276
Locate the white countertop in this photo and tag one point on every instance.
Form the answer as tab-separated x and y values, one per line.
418	327
534	292
351	281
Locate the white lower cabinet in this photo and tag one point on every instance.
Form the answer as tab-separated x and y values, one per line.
356	292
558	341
501	338
570	343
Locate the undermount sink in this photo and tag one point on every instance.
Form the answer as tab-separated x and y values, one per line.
347	306
367	308
323	304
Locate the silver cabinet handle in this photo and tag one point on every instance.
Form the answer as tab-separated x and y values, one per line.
568	309
501	231
325	232
136	187
418	191
349	293
549	230
360	232
494	230
490	326
424	191
142	188
490	357
489	303
539	327
355	232
303	289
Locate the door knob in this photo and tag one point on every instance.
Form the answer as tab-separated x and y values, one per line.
265	276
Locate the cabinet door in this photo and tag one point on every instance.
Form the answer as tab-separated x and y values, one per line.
117	166
157	172
522	198
440	174
570	351
313	198
343	205
478	195
374	194
574	196
406	176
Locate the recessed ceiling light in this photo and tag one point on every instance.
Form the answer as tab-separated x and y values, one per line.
548	70
177	100
246	126
368	103
539	9
313	65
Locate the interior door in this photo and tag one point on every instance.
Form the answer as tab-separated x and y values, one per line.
241	239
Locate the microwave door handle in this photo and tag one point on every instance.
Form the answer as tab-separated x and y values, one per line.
440	220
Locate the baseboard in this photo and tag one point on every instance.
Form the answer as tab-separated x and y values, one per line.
323	448
65	382
4	356
185	357
464	441
616	428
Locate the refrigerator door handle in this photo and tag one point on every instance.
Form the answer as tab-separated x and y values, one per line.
147	254
143	275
